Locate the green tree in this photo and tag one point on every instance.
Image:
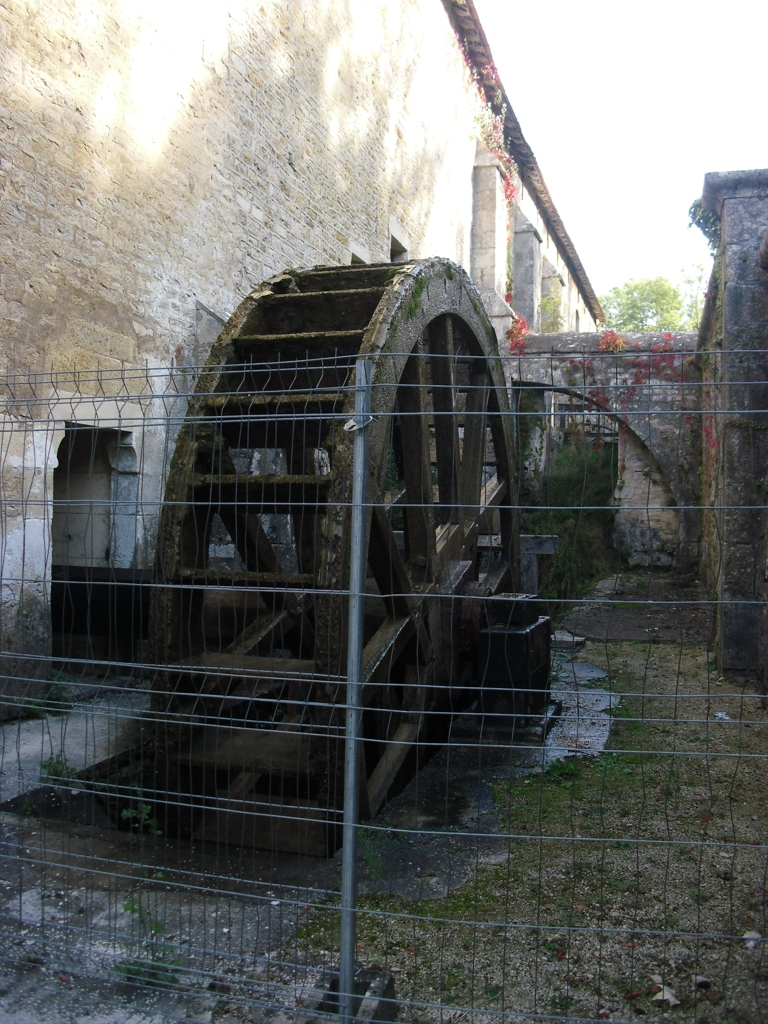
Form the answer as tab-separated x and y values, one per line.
651	304
693	290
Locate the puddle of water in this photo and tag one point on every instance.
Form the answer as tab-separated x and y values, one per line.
584	725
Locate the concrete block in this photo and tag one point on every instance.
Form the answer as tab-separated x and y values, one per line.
743	220
375	991
739	637
745	304
740	265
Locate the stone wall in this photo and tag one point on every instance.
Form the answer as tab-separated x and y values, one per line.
152	160
157	167
647	524
653	391
734	345
540	272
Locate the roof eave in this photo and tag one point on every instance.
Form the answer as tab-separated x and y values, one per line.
472	38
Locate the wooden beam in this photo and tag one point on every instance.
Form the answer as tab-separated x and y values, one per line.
391	762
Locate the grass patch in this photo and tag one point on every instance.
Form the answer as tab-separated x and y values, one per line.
578	474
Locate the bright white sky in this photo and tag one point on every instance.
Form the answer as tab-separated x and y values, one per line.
627	106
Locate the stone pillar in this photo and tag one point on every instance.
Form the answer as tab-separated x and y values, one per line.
488	266
527	261
738	444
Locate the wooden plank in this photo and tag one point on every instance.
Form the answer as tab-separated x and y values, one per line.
229	579
263	492
450	542
497	578
494	492
260	629
297	345
244	665
298	312
395	496
277	752
256	399
386	563
385	647
278	823
391	762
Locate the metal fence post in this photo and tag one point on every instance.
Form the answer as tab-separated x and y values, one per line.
360	426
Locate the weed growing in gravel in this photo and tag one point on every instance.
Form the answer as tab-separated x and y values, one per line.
56	767
157	964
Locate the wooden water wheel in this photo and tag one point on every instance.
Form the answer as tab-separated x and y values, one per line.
249	606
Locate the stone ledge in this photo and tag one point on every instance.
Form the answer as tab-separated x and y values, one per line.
720	185
569	342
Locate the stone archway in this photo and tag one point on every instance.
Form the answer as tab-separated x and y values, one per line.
651	391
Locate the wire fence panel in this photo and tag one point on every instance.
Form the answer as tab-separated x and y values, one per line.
560	798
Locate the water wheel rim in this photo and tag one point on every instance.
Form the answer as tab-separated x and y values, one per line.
419	301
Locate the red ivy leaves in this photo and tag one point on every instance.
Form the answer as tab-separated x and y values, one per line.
517	334
490	71
611	342
510	189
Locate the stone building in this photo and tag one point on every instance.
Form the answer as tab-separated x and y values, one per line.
733	349
160	162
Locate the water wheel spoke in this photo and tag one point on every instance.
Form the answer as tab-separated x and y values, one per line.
447	448
395	497
387	564
493	493
474	447
386	646
417	468
383	775
263	556
270	626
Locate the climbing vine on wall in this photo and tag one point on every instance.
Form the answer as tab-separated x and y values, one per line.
707	222
489	122
634	370
490	126
517	334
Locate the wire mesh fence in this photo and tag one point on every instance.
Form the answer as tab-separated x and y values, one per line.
560	798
